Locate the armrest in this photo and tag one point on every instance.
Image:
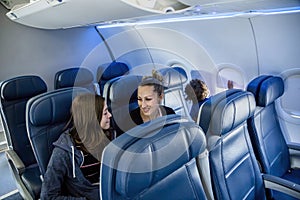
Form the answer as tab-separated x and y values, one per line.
281	185
294	150
294	146
15	160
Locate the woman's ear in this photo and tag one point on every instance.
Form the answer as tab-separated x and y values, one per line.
161	97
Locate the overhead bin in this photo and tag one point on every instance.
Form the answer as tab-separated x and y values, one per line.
55	14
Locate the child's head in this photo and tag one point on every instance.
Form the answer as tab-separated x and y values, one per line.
196	90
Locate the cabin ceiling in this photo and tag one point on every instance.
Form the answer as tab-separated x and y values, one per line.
54	14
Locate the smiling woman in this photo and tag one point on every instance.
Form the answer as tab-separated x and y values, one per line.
150	95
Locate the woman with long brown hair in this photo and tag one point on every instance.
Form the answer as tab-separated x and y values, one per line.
74	167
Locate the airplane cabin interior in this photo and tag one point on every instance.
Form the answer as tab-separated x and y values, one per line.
245	140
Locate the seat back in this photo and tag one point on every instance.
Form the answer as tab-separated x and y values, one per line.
155	160
15	93
115	69
46	117
268	140
74	77
207	108
234	169
121	100
174	80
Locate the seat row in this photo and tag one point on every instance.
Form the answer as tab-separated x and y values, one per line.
262	130
267	138
83	77
15	94
170	156
173	158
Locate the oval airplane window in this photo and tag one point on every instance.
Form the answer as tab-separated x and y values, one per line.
288	107
288	100
227	72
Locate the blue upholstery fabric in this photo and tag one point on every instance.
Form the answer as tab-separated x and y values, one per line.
115	69
46	116
234	169
182	72
174	80
266	89
121	99
74	77
155	160
265	132
15	93
208	107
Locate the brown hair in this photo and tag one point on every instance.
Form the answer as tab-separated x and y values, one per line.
155	80
196	90
86	115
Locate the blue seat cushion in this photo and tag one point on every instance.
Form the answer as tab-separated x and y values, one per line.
31	178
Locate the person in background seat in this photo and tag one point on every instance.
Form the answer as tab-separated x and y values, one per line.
74	168
198	92
150	95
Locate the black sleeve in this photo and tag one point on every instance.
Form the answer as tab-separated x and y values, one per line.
167	110
136	117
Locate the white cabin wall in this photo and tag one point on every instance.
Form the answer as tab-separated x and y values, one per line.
206	45
26	50
278	42
246	46
126	45
278	45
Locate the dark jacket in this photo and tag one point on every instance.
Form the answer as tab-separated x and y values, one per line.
136	116
64	178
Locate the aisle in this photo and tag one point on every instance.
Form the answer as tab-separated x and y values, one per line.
7	183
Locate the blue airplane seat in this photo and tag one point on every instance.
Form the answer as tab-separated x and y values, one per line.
115	69
235	173
181	71
74	77
207	108
267	137
155	160
174	79
46	116
234	169
15	93
121	98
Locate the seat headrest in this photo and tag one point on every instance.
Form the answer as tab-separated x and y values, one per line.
209	105
231	112
152	151
73	77
115	69
124	88
266	89
52	107
173	76
22	87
